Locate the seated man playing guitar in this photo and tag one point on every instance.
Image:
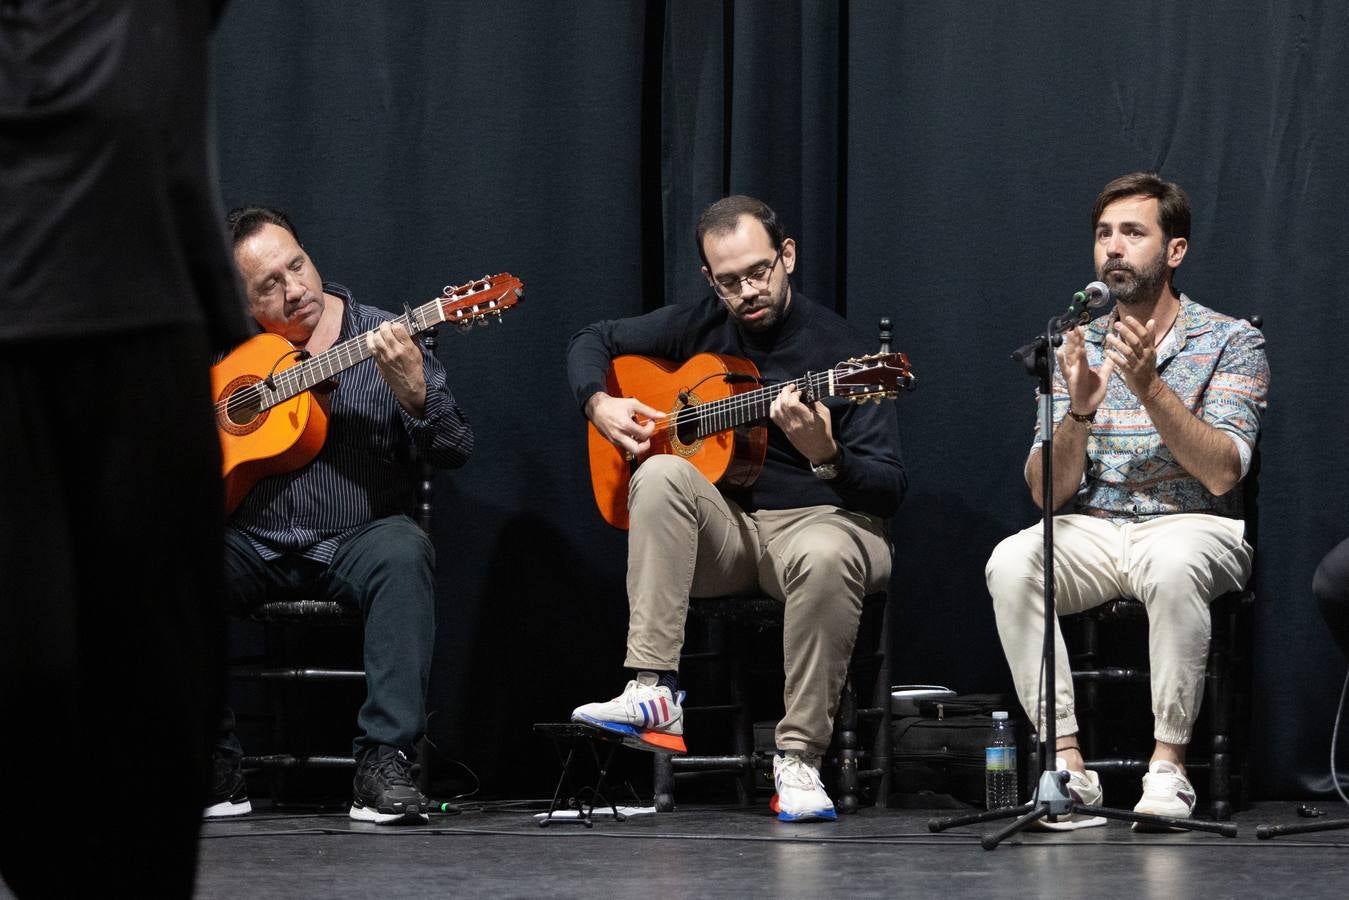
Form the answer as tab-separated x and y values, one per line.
809	531
337	526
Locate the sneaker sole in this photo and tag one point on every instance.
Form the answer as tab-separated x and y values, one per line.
227	809
638	738
366	814
1071	823
819	815
1149	828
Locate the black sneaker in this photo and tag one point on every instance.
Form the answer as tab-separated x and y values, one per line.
384	791
229	791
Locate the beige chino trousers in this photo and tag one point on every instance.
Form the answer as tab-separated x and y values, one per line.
1175	565
686	539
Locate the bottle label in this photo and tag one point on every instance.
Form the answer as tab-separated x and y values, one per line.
1000	759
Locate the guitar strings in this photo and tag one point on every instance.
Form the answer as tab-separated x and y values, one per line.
289	383
728	406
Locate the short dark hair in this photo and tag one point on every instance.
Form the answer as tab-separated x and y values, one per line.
722	217
1173	204
245	221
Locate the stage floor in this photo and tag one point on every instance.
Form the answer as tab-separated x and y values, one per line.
498	850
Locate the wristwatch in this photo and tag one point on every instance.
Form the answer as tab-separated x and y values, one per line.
827	470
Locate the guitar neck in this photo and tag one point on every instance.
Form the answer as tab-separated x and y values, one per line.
340	357
748	407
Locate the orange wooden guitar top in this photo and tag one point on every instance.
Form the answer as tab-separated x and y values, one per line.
254	445
732	456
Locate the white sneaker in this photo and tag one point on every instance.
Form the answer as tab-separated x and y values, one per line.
645	714
1083	788
800	794
1166	792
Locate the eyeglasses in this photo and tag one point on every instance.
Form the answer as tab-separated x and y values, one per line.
729	287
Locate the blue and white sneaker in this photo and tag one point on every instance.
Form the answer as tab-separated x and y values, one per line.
646	715
800	794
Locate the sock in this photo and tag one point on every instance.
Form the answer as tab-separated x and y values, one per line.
663	679
669	680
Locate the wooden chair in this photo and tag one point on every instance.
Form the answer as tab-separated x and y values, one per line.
288	623
1227	680
724	657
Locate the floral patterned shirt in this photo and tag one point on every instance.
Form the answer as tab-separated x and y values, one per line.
1216	365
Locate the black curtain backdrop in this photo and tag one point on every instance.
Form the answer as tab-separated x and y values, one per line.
936	162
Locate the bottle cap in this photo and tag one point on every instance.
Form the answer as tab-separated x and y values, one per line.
1000	714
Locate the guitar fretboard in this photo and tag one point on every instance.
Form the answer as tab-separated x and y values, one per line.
258	391
340	357
740	409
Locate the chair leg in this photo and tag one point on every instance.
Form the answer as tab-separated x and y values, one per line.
882	745
742	724
663	776
845	738
277	648
724	670
1220	706
1088	693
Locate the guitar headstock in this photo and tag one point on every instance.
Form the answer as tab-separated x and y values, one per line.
478	301
877	377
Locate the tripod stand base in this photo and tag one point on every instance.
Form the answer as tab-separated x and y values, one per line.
1160	823
1029	813
1265	832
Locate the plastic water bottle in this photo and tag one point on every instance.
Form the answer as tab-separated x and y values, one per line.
1000	764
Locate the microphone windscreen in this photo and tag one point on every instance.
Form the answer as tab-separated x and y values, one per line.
1098	294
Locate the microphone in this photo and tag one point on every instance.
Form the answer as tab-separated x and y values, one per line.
1094	295
728	377
1080	311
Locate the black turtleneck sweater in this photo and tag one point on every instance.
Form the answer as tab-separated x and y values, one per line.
809	338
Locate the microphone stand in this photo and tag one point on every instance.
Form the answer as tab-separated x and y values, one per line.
1052	797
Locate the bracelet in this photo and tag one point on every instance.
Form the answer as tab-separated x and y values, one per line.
1156	393
1086	419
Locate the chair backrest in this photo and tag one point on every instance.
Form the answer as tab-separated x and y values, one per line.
426	482
1250	498
1250	485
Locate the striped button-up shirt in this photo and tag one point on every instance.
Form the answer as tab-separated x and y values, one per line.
369	465
1216	365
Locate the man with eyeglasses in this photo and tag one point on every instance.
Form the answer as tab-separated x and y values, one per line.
810	531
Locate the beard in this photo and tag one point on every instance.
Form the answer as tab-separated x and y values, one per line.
1136	286
775	303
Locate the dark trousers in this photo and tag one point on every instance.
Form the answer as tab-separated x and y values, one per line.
111	514
385	571
1331	587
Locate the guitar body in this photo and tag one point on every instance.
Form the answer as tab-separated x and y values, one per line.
732	457
269	403
255	444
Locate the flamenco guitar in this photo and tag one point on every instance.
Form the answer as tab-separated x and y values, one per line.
269	418
716	413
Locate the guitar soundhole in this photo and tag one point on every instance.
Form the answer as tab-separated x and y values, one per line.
683	433
686	427
242	408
